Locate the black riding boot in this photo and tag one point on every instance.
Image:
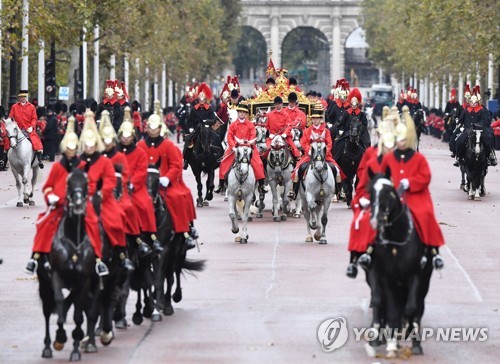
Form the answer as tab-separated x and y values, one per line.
32	264
261	185
142	248
292	195
437	261
352	268
39	156
221	187
189	240
122	254
365	259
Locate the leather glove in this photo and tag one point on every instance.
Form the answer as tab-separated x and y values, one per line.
30	129
364	202
52	199
405	184
164	181
283	135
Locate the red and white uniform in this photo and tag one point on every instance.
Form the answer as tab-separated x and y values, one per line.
277	124
414	167
296	118
25	117
138	166
131	220
48	222
177	195
245	131
101	173
5	142
311	134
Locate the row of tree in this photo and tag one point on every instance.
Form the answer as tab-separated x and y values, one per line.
192	37
432	37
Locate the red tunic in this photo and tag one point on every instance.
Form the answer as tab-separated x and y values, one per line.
138	165
278	123
177	195
101	173
311	134
25	117
131	220
222	113
418	197
244	131
48	221
296	118
362	233
4	138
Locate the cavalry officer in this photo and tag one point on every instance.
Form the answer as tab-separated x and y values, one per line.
24	114
414	104
177	196
101	178
296	118
476	114
54	191
410	171
361	233
277	124
316	132
121	103
453	103
120	163
201	112
337	108
108	103
138	166
353	111
242	129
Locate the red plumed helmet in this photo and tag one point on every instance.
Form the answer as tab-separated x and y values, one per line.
355	94
204	92
453	92
467	89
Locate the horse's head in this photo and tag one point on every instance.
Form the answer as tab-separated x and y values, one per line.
474	141
384	200
355	130
296	134
76	192
278	156
12	130
153	180
318	154
244	154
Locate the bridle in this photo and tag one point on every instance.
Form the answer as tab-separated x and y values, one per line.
16	135
242	176
319	156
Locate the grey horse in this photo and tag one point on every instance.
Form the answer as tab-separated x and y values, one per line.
279	175
22	159
240	188
316	191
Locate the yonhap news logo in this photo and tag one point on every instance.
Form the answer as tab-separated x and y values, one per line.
333	334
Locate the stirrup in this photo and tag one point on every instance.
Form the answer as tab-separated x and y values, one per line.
31	267
352	270
101	269
437	262
365	260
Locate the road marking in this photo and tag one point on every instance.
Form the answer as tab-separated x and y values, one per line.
473	286
273	264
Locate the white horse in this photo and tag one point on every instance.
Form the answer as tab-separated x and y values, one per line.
240	188
372	126
279	176
260	142
22	159
232	117
316	192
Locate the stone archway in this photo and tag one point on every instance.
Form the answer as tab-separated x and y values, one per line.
359	71
250	59
305	54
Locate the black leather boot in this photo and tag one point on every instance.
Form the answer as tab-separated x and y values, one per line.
39	156
142	248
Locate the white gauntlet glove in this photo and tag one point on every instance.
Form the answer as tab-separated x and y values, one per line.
364	202
30	129
283	136
164	181
405	184
52	199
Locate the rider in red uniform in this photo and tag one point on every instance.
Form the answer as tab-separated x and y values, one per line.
177	196
242	129
24	114
54	191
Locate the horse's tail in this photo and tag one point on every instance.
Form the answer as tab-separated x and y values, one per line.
194	265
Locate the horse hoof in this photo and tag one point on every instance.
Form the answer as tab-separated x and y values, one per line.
58	346
477	198
250	219
98	331
205	203
177	296
471	197
226	199
243	241
156	317
296	216
237	239
75	356
392	354
47	353
417	350
276	219
168	311
121	324
31	203
91	348
107	338
199	204
322	241
317	237
309	239
25	200
137	318
258	216
283	217
19	204
235	231
147	312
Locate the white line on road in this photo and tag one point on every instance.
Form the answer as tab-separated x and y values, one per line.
273	264
474	288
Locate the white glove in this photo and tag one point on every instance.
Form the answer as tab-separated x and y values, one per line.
52	199
364	202
283	135
191	130
30	129
271	136
404	183
341	132
235	149
462	128
131	186
164	181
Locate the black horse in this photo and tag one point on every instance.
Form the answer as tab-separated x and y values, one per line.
348	153
475	164
450	123
72	263
401	266
204	157
173	257
419	119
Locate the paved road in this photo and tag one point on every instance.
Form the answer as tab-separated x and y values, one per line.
264	301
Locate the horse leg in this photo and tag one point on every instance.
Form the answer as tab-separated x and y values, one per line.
210	186
232	214
34	177
120	313
169	310
18	186
307	217
324	220
311	206
286	202
77	333
462	183
179	262
349	191
147	311
26	191
199	186
137	316
57	286
48	303
274	191
246	212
